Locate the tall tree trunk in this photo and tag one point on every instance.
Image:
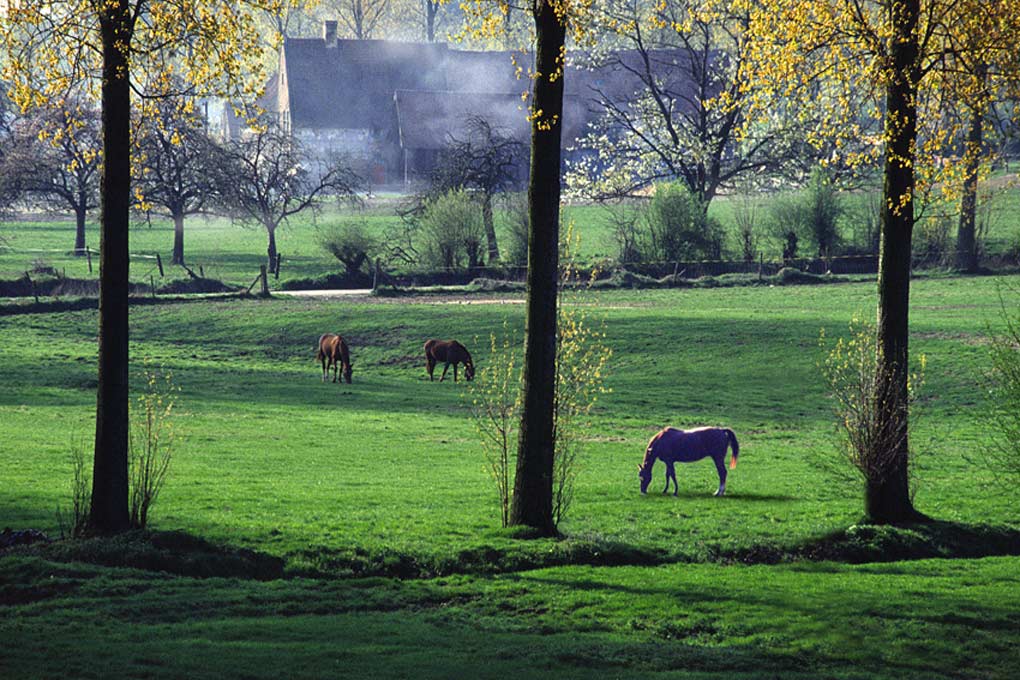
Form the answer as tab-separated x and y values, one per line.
533	483
490	228
178	254
887	495
79	226
109	510
966	235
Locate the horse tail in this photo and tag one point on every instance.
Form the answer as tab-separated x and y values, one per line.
736	448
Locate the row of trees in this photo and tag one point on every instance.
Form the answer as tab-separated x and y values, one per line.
52	158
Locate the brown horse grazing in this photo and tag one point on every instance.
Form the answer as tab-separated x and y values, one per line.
449	352
333	354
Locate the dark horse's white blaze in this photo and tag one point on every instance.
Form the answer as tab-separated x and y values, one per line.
685	446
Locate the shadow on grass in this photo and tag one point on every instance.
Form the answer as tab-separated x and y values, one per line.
173	552
186	555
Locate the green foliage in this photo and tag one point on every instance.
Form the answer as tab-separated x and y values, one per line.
811	215
453	231
351	243
678	227
515	244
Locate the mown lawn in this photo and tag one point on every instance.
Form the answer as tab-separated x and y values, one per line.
386	476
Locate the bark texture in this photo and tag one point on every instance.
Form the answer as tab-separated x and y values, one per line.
887	496
109	509
533	483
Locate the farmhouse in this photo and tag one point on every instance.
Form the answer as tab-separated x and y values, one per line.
391	106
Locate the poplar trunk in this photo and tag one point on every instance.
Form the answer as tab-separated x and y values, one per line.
533	483
887	495
109	510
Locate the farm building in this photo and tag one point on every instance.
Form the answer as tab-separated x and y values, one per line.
391	106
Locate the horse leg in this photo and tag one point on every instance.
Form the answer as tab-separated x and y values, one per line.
335	367
445	369
323	361
430	365
720	466
455	373
670	474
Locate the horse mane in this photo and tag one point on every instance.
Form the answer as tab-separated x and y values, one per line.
649	453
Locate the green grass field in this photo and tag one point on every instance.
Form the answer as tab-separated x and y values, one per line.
386	477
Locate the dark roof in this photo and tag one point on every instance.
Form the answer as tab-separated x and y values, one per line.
352	84
430	119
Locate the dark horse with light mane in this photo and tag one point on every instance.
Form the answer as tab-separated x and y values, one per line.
448	352
333	354
686	446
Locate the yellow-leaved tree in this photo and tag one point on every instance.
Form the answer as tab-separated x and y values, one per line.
115	51
912	54
554	21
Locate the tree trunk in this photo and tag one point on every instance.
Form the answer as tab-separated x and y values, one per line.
490	229
966	236
79	227
178	254
533	483
431	9
887	495
271	251
109	510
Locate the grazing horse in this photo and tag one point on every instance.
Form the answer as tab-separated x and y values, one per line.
333	354
686	446
449	352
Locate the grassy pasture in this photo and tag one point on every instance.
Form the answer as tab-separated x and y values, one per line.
386	472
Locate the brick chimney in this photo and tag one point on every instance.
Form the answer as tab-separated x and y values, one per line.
329	33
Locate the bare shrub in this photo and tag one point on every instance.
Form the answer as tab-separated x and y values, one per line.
581	363
153	436
862	398
495	404
745	214
625	218
74	523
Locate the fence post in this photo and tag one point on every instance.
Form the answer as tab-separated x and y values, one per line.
201	272
375	275
265	280
88	256
159	261
276	268
761	263
152	286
